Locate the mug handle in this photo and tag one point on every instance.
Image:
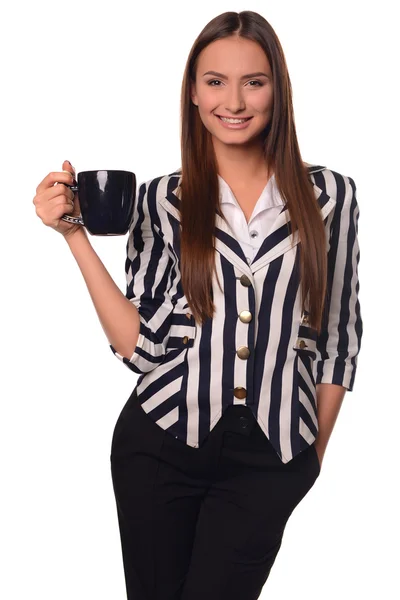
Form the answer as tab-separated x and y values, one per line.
77	220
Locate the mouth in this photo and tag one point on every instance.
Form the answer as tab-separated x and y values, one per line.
239	120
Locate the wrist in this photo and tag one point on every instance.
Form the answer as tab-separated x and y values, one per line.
321	443
76	237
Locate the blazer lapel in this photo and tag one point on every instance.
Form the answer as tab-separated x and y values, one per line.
274	244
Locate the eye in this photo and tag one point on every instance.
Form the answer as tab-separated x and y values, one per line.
252	80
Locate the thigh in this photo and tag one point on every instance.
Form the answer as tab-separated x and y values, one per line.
241	525
157	517
157	506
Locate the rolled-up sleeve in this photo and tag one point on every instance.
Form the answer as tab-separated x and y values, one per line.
339	341
148	269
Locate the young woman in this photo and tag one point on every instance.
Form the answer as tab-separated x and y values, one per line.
241	317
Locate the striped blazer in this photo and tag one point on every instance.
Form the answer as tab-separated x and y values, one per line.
259	348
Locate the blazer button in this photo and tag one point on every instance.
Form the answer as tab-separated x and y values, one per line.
243	352
305	319
302	344
240	392
244	280
245	316
185	339
188	316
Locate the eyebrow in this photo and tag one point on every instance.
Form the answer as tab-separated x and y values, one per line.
258	74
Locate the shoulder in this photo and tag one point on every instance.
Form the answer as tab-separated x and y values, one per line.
340	187
158	188
156	201
163	184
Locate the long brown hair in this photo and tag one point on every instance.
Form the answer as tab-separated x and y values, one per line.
199	187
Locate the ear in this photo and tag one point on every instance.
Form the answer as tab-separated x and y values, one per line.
193	94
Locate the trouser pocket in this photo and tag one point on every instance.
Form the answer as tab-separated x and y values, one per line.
316	458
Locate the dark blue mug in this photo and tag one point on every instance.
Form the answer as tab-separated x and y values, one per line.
106	199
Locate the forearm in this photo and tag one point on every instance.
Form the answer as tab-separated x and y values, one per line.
118	316
329	401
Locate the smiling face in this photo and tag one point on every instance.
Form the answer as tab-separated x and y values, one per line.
239	90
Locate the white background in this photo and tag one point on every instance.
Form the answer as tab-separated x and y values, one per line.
99	84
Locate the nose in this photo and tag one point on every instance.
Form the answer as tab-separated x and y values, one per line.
234	101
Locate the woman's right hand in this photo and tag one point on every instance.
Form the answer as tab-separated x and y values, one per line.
53	201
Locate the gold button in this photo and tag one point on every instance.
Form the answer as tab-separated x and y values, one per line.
188	315
305	319
302	344
240	392
244	280
185	339
243	352
245	316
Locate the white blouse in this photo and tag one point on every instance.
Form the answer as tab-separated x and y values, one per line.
251	235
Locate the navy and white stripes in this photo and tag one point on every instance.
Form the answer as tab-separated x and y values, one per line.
340	340
259	349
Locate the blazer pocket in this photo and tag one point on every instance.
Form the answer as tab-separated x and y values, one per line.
182	332
306	341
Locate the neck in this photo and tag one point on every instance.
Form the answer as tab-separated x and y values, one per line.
241	163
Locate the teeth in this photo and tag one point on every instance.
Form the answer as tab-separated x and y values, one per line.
233	120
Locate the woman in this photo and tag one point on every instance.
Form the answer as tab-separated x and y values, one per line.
241	317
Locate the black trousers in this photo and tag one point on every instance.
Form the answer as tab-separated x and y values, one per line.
202	523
